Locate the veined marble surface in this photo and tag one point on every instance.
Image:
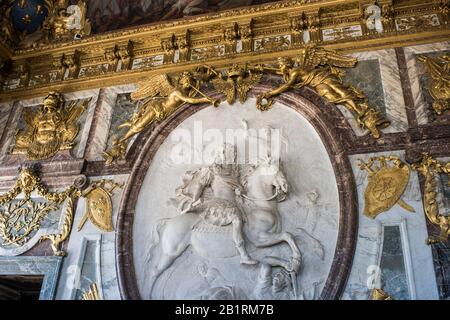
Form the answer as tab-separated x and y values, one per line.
5	111
311	204
79	269
415	71
102	129
418	258
391	87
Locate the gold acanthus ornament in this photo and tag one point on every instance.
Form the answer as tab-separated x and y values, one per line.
19	221
51	129
163	96
99	208
430	168
320	69
386	185
439	87
66	22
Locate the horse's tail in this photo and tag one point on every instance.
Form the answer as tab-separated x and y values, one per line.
155	238
312	242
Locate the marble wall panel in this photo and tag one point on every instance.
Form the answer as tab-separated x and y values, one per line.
418	78
112	110
377	74
91	255
417	255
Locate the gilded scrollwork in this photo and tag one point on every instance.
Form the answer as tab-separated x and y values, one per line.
320	69
386	184
51	129
163	96
430	168
19	220
439	87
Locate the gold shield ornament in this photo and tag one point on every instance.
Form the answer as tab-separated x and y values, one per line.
99	207
386	185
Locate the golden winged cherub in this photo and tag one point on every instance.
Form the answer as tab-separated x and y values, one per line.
439	87
51	129
163	98
319	69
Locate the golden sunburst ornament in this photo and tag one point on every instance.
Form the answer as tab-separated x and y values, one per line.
386	185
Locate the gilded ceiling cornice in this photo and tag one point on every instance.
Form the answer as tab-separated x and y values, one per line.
253	34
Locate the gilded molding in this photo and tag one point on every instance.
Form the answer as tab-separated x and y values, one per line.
222	39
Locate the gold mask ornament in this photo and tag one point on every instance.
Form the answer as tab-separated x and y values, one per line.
51	129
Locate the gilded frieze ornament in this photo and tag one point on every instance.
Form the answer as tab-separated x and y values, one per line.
430	168
163	96
320	69
51	129
386	184
21	218
439	87
99	207
237	81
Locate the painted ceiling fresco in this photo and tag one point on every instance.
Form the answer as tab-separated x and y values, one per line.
107	15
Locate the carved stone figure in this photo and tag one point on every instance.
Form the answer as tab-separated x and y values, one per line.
271	286
318	68
165	98
51	129
215	199
220	210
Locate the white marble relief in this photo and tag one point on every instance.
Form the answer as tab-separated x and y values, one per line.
418	258
392	89
108	98
335	34
310	212
416	70
105	272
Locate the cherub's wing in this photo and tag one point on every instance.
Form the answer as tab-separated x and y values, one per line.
51	7
74	111
316	56
159	84
225	87
245	84
86	24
